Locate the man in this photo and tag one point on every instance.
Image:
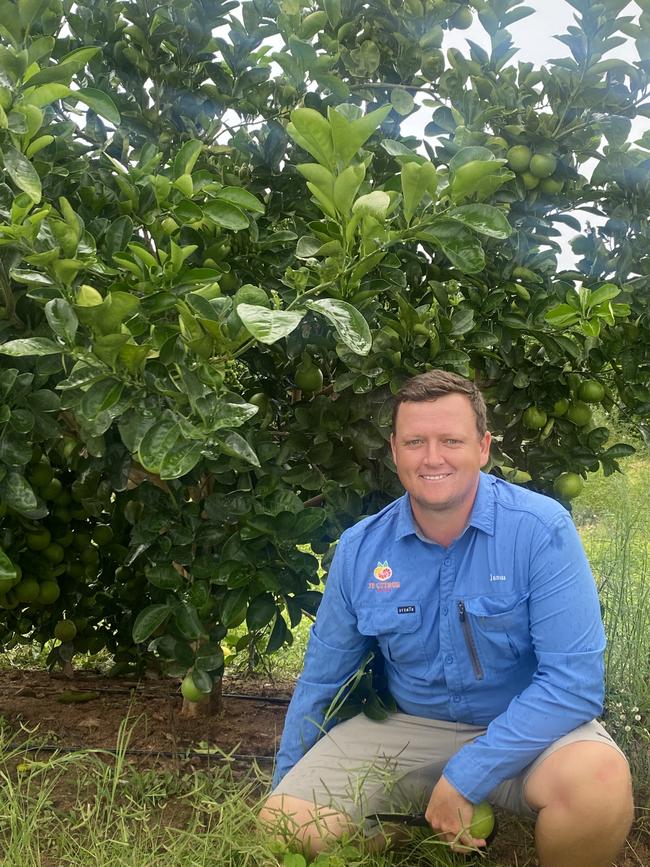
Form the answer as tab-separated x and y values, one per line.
480	598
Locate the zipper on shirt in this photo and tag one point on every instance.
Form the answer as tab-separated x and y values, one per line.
469	641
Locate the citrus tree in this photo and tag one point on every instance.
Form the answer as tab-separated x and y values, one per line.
220	256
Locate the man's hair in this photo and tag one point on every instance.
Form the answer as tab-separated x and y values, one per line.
438	383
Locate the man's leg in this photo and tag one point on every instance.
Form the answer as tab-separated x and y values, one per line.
303	824
357	769
583	794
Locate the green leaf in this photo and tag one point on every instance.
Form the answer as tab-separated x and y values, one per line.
16	492
187	157
457	243
99	102
310	130
468	179
163	576
346	186
101	396
242	198
471	154
412	188
350	324
118	235
180	459
619	450
261	610
562	316
235	445
268	326
62	319
157	441
148	620
234	607
278	634
348	136
30	346
209	657
188	621
604	293
22	172
485	219
46	94
402	101
225	214
8	570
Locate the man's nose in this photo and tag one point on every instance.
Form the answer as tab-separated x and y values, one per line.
433	453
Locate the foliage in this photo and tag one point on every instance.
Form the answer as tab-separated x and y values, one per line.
219	257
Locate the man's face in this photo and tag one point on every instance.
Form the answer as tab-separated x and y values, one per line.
438	452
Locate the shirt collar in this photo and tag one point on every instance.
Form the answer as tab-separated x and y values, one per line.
481	517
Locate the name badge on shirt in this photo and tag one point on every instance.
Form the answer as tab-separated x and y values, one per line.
406	609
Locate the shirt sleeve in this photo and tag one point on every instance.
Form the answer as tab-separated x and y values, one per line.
567	688
334	652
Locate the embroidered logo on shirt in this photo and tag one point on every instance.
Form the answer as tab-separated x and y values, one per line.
383	571
406	609
498	577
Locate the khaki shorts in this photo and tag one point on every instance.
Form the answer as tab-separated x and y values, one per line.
362	767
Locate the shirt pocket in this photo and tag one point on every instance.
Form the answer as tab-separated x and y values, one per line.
397	628
501	627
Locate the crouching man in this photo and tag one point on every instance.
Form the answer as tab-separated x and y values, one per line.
480	598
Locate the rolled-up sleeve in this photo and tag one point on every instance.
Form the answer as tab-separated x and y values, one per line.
567	688
334	652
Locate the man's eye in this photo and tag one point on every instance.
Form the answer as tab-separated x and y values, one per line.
452	442
413	442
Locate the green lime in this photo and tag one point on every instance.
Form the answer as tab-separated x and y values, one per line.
308	378
543	165
48	592
40	474
190	690
27	590
38	539
534	418
65	630
462	19
54	553
579	413
519	158
591	391
102	535
568	485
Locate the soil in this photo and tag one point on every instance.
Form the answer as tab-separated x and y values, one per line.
248	729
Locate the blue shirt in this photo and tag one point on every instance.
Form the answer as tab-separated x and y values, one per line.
501	629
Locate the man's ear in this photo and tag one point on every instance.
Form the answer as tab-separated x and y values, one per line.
485	448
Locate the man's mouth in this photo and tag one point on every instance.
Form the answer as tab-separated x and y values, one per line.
435	478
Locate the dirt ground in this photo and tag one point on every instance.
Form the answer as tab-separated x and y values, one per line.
250	727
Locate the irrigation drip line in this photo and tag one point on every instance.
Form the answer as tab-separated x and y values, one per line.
167	754
243	696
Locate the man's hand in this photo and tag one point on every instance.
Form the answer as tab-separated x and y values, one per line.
450	815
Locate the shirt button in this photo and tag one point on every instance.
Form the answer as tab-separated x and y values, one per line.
449	659
445	611
448	562
456	698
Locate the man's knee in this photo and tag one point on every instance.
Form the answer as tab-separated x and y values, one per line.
586	779
303	824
